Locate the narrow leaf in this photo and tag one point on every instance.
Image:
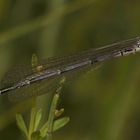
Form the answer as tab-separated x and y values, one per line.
62	81
36	136
48	126
32	121
37	119
52	112
44	130
60	123
34	60
21	124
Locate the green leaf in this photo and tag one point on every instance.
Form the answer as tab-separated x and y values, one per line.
62	81
34	62
52	112
36	135
60	123
44	130
37	119
48	126
21	124
32	121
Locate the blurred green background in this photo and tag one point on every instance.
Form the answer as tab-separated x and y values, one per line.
102	104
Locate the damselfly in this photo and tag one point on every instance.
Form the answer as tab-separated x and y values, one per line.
55	67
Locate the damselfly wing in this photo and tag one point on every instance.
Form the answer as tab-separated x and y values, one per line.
53	68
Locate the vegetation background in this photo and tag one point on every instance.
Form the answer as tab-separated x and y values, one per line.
102	104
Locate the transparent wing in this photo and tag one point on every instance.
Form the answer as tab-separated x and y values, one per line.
17	73
36	89
45	86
